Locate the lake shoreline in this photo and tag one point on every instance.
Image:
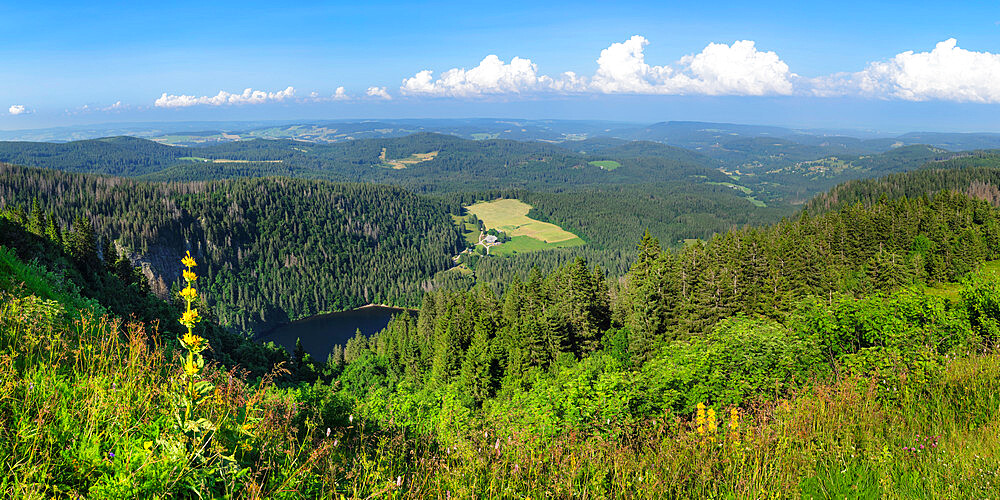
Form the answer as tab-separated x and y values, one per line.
387	306
272	328
320	332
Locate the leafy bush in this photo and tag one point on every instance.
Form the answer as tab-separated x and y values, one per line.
980	296
742	360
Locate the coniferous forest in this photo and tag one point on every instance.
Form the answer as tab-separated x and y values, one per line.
696	345
271	249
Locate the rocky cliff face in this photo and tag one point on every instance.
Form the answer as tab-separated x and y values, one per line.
161	266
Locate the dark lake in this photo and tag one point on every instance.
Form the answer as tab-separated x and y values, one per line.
321	332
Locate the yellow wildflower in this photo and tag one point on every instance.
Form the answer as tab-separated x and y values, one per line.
190	368
189	276
192	341
188	261
189	317
148	445
189	293
711	421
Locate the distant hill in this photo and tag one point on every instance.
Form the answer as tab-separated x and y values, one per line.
447	163
111	155
976	174
952	141
769	165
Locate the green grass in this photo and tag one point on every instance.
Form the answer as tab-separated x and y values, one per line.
743	189
606	164
484	136
469	231
524	244
195	158
951	291
20	278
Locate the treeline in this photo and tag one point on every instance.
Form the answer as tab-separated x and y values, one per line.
478	339
272	249
614	217
459	166
111	155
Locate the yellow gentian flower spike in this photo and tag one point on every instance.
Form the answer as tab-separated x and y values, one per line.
188	261
189	317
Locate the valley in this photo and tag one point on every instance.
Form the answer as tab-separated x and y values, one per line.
529	289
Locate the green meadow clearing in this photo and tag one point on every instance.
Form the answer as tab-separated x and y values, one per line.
402	163
606	164
224	160
527	234
743	189
524	244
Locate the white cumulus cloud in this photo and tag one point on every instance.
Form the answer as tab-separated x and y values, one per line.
17	109
379	92
946	73
491	76
117	107
622	67
719	69
248	96
340	94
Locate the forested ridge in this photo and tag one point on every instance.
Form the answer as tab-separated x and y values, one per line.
273	249
459	164
975	174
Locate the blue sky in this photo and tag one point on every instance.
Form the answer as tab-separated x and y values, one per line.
841	64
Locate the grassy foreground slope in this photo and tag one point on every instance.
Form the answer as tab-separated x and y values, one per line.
87	407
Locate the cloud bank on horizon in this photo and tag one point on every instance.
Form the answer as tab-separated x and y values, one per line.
248	96
720	69
946	73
